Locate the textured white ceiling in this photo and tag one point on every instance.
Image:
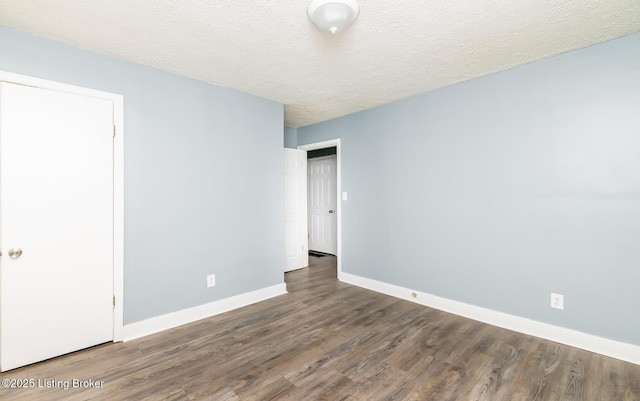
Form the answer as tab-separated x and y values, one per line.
269	48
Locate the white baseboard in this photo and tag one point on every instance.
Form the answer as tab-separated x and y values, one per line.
175	319
573	338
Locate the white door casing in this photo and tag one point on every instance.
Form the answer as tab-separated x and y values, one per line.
295	209
61	204
322	204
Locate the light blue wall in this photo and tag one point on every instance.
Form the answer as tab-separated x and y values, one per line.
498	191
203	177
290	137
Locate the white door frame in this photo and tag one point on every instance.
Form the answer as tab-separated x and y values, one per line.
118	179
328	144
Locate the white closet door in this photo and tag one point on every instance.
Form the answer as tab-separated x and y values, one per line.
322	205
56	223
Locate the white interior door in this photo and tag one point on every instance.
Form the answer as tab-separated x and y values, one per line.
322	204
56	207
295	209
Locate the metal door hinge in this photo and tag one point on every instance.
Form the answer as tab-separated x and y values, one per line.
114	131
114	301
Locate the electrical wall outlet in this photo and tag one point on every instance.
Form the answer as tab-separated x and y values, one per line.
557	301
211	280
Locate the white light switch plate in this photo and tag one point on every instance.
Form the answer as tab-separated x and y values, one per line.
344	196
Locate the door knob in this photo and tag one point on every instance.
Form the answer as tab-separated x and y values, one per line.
15	253
331	211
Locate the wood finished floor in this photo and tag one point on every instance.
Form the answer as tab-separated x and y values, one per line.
327	340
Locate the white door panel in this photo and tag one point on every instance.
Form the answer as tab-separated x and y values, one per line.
322	204
295	209
56	204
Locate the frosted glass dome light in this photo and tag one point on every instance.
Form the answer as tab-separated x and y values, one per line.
333	15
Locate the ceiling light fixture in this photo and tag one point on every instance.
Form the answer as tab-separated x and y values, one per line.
333	15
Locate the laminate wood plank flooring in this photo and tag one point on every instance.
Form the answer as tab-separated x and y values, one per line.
327	340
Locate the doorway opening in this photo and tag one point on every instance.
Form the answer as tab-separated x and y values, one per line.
323	199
